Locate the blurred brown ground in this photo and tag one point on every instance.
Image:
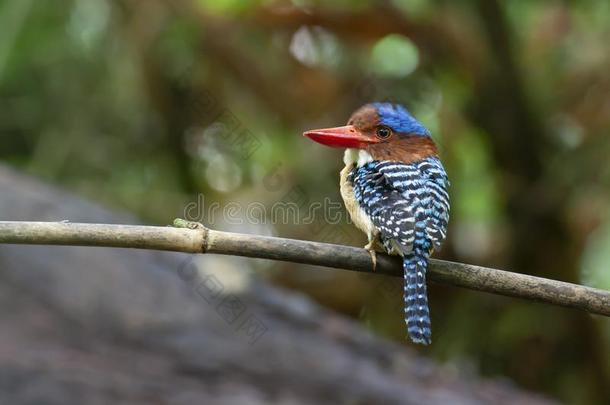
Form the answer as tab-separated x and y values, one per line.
99	326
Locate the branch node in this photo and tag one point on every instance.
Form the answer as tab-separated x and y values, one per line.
185	224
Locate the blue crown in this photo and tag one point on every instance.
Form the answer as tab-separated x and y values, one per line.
399	119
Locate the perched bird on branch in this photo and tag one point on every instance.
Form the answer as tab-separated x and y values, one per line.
395	188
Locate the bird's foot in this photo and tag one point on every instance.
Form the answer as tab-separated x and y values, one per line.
372	252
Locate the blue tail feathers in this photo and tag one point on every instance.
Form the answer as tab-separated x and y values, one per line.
417	314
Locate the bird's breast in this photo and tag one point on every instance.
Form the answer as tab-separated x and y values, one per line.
357	214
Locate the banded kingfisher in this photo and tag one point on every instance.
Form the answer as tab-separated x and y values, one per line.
394	187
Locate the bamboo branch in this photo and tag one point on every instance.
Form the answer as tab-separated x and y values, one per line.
194	238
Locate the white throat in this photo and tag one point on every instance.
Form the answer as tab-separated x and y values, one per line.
359	157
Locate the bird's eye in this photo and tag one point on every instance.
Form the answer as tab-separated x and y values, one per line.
383	132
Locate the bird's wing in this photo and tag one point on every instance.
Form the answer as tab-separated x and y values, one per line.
386	206
402	197
435	199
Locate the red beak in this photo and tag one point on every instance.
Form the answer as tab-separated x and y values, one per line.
340	137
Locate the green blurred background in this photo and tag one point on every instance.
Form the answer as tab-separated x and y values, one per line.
156	106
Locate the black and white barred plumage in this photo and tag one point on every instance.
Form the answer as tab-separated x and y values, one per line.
408	204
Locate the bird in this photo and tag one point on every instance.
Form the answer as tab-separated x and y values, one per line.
395	189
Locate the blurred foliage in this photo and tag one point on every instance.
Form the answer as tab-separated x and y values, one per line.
144	105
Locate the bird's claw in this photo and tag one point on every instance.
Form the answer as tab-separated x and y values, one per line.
370	247
373	258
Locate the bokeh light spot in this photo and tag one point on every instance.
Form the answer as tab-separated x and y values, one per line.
394	56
